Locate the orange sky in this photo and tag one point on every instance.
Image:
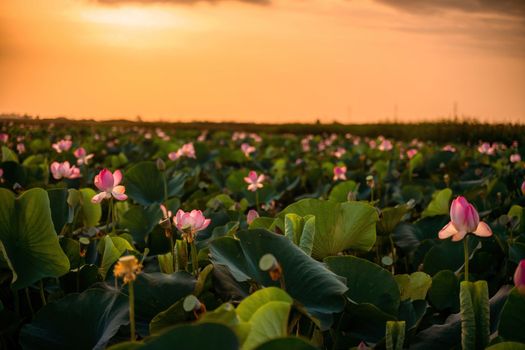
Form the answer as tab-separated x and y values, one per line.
275	61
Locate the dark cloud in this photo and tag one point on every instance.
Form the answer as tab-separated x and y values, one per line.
504	7
180	2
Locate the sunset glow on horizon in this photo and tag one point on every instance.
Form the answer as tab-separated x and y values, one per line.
257	61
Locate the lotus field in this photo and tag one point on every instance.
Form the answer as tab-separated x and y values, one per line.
137	237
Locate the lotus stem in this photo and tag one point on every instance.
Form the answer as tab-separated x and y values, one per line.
28	297
393	248
42	294
165	186
173	250
465	251
132	310
194	259
108	219
257	201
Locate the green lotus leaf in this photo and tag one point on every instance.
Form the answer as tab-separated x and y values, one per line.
268	322
367	282
306	280
145	184
202	336
28	242
340	191
77	321
286	343
338	226
59	207
252	303
413	286
90	213
444	292
439	205
513	317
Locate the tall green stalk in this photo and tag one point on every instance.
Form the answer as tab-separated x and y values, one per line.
194	259
465	252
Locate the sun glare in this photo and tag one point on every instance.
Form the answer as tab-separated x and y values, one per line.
133	17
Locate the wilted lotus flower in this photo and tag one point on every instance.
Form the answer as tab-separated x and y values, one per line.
247	149
189	223
187	150
254	182
62	146
127	267
449	148
252	215
385	145
64	170
339	173
411	153
4	137
514	158
519	277
82	156
108	183
464	219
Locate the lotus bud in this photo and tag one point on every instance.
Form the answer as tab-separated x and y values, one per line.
160	164
270	264
523	188
252	215
519	277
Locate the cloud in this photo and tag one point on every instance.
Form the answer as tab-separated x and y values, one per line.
179	2
503	7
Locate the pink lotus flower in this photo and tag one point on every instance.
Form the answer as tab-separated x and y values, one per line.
108	184
189	223
372	144
187	150
449	148
339	173
82	156
62	146
411	153
486	148
21	148
254	182
64	171
464	219
515	158
252	215
339	152
385	145
247	149
4	137
519	277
